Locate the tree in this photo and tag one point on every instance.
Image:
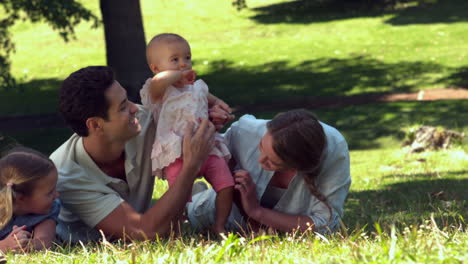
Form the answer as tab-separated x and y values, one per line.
123	28
61	15
125	43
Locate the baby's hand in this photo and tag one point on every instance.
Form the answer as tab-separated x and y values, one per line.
188	76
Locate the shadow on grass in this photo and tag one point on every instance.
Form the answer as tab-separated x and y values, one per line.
307	11
458	78
408	203
442	11
31	98
45	140
275	81
364	125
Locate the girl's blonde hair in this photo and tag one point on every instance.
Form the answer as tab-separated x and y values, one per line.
19	172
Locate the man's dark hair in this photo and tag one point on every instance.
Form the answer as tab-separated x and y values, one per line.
83	96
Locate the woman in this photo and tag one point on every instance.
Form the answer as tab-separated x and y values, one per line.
292	173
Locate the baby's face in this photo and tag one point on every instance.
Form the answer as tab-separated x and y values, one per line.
174	55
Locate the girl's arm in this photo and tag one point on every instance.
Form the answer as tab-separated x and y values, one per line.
43	235
17	240
163	80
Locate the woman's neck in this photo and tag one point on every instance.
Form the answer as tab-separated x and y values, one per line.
281	179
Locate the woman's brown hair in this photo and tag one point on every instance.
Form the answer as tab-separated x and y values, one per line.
299	141
19	172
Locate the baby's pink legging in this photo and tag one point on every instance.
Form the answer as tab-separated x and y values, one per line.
215	170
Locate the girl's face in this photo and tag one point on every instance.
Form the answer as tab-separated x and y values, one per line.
175	55
41	199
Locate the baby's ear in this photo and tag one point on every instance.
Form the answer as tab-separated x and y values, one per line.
154	68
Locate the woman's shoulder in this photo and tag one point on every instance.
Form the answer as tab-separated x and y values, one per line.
334	137
250	124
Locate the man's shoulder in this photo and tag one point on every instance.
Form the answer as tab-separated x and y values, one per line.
65	159
66	152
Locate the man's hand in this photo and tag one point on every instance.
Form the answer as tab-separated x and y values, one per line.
197	146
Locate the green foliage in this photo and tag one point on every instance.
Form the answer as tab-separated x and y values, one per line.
61	15
239	4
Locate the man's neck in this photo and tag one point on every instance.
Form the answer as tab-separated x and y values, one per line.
102	151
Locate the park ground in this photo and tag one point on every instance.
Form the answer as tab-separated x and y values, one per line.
374	75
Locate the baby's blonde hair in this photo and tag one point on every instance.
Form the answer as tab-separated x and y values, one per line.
19	172
166	37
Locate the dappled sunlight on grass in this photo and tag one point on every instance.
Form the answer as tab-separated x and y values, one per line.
276	81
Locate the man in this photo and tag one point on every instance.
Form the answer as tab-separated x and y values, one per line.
105	179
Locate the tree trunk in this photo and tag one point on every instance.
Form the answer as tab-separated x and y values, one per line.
125	44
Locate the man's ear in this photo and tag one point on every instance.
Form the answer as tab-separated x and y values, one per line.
94	124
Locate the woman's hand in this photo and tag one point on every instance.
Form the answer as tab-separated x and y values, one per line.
220	113
248	193
18	239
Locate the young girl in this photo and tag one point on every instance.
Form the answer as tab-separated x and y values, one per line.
28	204
175	99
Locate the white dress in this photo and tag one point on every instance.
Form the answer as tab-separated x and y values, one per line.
171	114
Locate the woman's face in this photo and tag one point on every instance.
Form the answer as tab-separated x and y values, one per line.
268	158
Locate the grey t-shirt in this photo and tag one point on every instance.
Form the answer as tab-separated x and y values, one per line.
30	220
88	195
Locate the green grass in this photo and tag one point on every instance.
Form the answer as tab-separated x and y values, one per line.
275	49
402	208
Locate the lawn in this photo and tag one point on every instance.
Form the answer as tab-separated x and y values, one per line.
402	208
274	50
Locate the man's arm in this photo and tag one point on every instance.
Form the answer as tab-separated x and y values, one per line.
125	222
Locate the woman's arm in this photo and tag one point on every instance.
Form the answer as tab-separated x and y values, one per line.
43	235
274	219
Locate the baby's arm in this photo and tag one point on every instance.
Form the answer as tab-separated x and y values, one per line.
163	80
16	240
43	235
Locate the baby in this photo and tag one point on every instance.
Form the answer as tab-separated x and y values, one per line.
175	98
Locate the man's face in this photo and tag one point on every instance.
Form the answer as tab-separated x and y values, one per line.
173	55
122	123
